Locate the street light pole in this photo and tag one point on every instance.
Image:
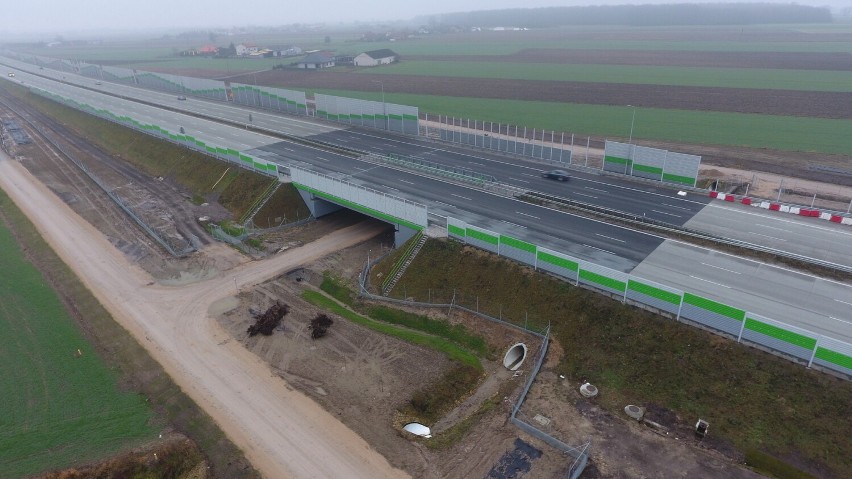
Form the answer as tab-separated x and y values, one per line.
384	105
630	138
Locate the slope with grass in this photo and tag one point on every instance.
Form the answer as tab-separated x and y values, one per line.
764	405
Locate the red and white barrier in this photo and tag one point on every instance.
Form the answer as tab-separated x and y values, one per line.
796	210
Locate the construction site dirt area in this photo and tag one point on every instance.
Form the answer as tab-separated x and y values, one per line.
282	398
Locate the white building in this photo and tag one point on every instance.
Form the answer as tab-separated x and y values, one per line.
375	57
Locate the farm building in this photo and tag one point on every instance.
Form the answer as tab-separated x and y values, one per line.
375	57
244	49
317	60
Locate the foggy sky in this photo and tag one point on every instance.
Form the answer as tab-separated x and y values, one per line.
67	16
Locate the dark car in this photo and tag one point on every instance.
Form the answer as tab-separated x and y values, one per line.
560	175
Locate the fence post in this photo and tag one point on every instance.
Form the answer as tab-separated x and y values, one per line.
742	327
813	353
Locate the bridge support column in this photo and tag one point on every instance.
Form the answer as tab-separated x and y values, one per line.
318	206
402	234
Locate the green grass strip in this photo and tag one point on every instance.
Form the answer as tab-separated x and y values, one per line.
714	307
779	333
653	292
615	159
603	280
452	351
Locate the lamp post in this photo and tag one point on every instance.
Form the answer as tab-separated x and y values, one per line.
630	138
384	105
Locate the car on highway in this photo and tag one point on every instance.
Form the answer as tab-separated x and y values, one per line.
98	83
11	74
181	97
559	175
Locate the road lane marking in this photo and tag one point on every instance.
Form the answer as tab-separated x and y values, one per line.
594	189
678	207
323	159
531	176
531	216
519	180
513	224
460	196
767	236
841	320
610	237
445	204
408	182
711	282
588	196
664	213
844	302
772	227
723	269
599	249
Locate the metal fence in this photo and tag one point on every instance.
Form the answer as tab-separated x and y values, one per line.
386	116
580	455
791	342
651	163
539	144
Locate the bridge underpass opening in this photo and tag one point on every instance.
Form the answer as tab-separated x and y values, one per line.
320	207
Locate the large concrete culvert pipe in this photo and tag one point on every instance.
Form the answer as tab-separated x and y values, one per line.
515	356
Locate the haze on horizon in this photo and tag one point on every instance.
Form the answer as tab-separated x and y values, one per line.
56	17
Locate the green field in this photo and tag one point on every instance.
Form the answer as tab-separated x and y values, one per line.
58	407
680	126
806	80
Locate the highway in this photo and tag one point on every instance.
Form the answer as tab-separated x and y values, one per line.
772	292
807	236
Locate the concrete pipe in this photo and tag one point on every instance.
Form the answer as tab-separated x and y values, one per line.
515	356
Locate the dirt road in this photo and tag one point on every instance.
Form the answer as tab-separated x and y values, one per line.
281	431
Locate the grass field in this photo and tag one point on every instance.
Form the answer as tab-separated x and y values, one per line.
756	402
681	126
807	80
59	407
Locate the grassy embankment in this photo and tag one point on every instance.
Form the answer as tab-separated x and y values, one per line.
237	191
767	407
461	346
62	409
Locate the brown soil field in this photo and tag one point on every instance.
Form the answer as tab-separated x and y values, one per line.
778	60
734	100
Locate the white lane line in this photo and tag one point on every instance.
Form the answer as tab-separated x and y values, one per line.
531	176
321	158
844	302
841	320
405	181
445	204
288	149
772	227
664	213
513	224
599	249
678	207
460	196
723	269
475	163
588	196
522	181
711	282
594	189
609	237
767	236
524	214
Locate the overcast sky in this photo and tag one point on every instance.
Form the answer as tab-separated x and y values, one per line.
63	16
